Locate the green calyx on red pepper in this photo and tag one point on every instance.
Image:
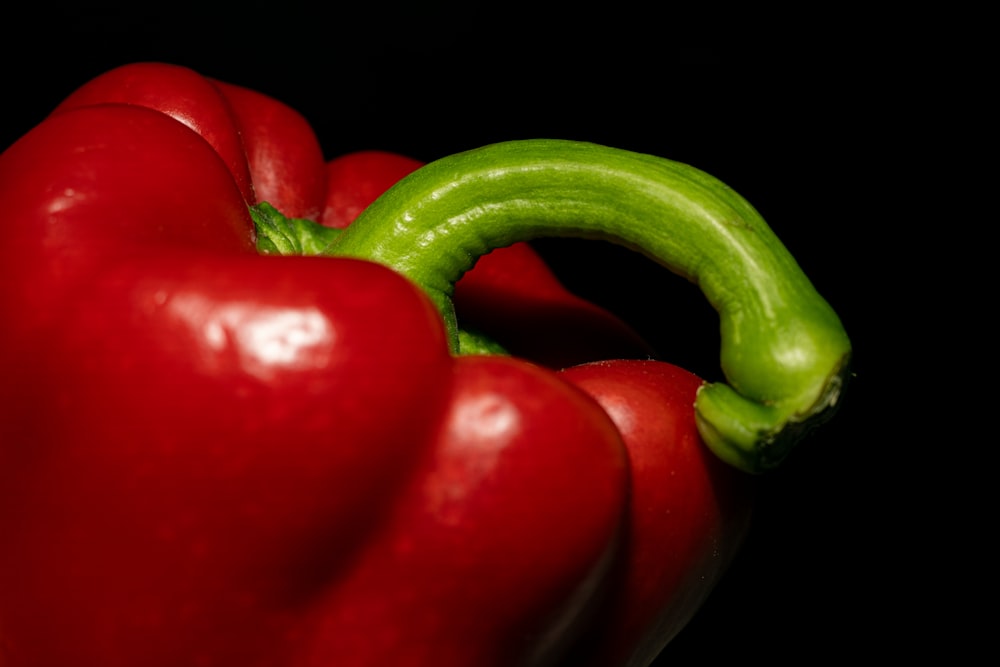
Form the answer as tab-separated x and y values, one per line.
784	351
213	456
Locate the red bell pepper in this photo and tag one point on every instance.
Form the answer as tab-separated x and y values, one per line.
709	504
211	456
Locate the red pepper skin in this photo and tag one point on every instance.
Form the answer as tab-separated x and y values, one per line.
285	157
199	446
525	538
510	294
189	429
180	93
270	148
688	511
357	179
78	220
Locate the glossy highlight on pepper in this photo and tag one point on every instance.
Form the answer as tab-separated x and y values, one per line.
246	421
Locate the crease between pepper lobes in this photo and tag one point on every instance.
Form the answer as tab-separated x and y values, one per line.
785	354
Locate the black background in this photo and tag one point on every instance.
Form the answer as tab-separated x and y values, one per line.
814	131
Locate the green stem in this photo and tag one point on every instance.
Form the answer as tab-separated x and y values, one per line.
784	351
278	235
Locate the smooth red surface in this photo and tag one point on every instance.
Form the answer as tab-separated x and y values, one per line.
512	295
688	512
194	437
284	154
502	539
355	180
180	93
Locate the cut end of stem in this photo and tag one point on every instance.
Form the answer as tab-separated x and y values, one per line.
757	437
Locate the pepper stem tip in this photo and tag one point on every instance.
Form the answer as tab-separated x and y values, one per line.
757	437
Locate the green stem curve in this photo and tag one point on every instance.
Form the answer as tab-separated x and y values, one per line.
784	351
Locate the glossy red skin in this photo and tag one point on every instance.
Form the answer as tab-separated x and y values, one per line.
688	511
202	447
180	93
189	428
357	179
285	157
510	294
525	538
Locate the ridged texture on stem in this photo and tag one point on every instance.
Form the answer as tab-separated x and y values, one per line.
784	351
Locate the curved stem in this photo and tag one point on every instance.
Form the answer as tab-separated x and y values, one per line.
784	351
